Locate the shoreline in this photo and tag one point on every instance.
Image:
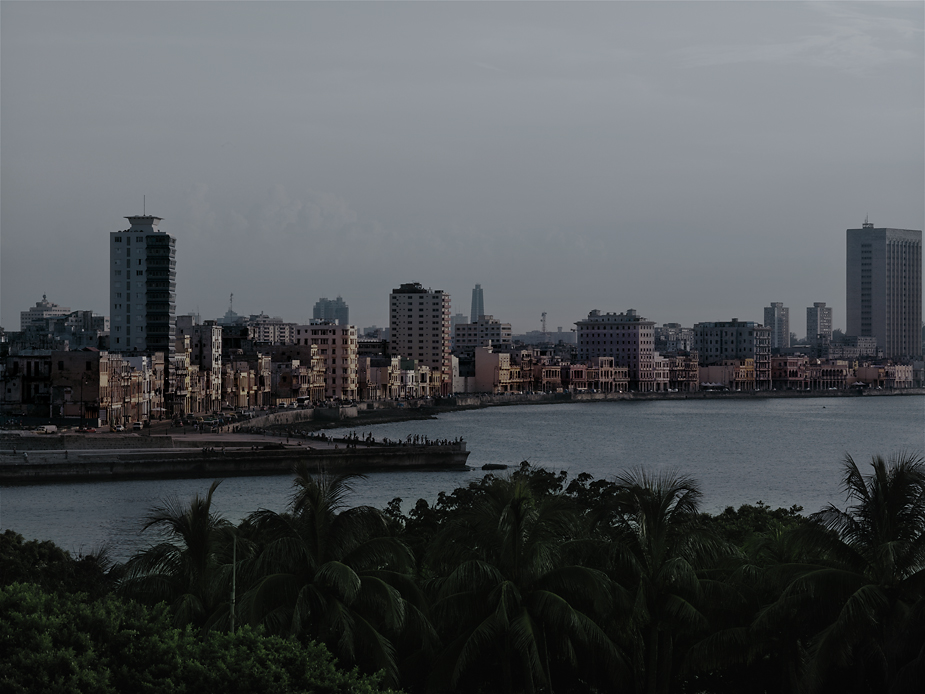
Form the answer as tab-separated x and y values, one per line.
387	412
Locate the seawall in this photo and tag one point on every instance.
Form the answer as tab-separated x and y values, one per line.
41	467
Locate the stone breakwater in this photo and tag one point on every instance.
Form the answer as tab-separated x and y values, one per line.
40	467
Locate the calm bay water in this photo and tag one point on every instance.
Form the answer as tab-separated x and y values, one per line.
782	452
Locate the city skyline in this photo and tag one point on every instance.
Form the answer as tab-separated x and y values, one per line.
691	161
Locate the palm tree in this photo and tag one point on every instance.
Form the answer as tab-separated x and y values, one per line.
328	572
508	602
864	597
186	569
660	550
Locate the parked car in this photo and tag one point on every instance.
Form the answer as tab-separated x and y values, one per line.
119	427
137	426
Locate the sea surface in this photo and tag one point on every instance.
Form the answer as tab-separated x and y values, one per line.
780	451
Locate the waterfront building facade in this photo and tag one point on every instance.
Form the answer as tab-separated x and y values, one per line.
142	287
419	329
627	337
206	356
719	341
777	318
884	288
337	349
818	323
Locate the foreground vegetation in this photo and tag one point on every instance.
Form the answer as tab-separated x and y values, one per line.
526	583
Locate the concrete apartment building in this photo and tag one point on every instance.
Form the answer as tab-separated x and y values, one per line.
38	314
721	341
884	288
419	329
777	318
818	323
273	331
486	331
627	337
206	355
337	349
142	287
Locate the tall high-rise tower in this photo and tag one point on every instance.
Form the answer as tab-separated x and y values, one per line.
884	288
777	318
419	328
818	323
142	287
478	304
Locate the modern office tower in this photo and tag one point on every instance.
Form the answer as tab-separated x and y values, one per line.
37	315
478	304
142	287
818	323
884	288
419	328
332	311
627	337
777	318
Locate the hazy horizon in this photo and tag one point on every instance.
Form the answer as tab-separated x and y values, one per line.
694	161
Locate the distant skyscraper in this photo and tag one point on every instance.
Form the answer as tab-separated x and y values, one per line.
142	287
478	304
818	323
332	310
777	318
884	288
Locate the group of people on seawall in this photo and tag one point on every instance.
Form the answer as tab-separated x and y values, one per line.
351	439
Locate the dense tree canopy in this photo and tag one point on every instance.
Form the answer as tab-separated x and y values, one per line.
524	582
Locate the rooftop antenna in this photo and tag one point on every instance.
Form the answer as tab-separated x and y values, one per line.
230	301
144	206
867	223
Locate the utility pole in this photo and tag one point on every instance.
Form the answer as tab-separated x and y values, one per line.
234	570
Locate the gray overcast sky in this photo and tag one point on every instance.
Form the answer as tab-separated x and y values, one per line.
694	161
